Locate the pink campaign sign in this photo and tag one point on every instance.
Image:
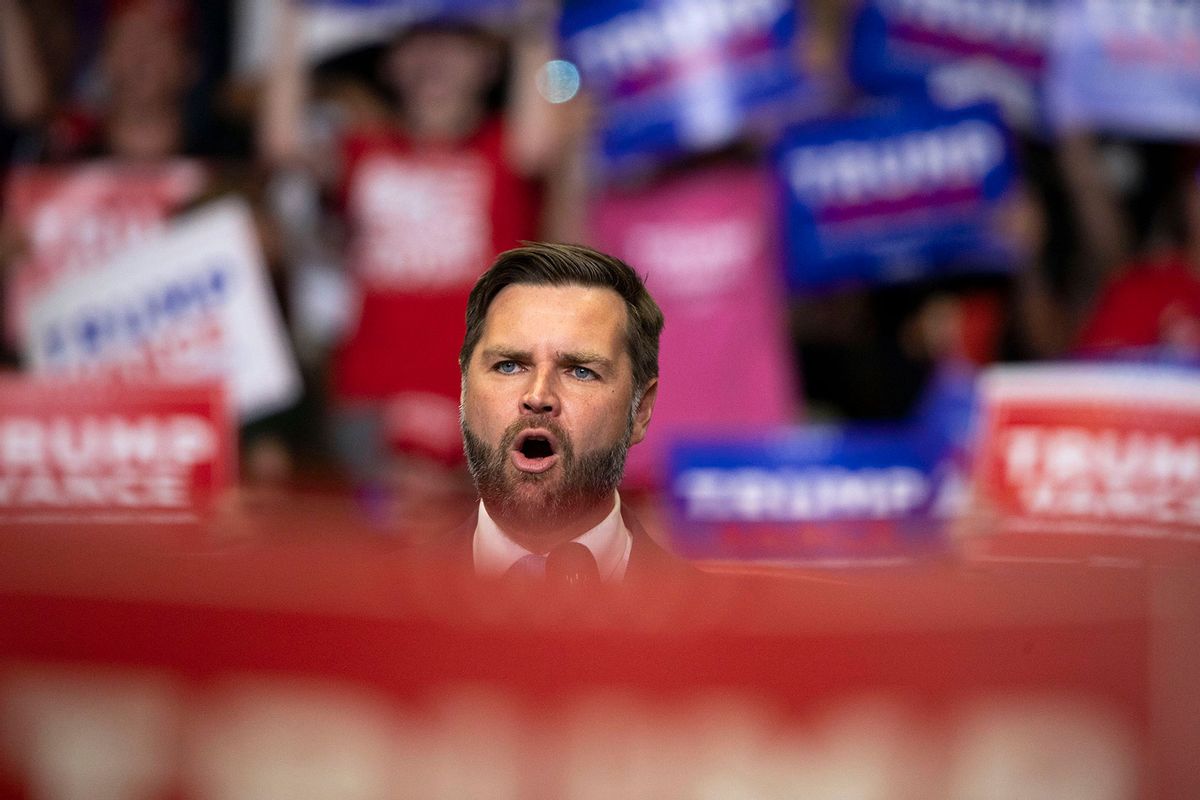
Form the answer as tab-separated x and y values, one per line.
73	219
706	244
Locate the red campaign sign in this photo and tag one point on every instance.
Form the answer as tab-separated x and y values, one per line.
89	453
72	219
1092	451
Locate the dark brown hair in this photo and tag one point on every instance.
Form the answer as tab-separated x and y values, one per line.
546	264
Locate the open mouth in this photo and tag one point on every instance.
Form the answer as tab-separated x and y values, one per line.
534	450
536	447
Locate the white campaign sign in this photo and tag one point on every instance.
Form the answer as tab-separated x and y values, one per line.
188	304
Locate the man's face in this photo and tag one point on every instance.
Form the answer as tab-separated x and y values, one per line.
547	402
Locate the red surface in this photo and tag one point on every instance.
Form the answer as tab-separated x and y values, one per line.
350	610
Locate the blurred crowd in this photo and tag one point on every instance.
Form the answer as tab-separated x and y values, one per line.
386	172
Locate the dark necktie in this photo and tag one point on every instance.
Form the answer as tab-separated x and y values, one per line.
569	564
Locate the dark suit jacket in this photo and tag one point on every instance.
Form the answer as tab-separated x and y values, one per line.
646	559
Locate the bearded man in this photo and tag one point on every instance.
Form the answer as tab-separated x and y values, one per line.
559	376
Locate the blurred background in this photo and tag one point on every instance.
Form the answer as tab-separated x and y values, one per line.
891	238
838	204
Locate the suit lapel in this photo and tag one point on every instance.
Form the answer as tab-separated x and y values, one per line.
460	541
646	558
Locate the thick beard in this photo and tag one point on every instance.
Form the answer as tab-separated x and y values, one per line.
585	481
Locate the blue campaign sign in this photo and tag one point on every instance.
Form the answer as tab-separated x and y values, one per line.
97	329
957	52
813	494
466	10
1184	358
949	406
1129	67
895	194
674	76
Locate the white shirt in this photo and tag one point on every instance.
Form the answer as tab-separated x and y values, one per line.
610	543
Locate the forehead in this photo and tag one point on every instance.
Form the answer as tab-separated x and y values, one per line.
562	318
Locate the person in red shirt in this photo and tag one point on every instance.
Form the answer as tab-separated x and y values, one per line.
1151	307
429	193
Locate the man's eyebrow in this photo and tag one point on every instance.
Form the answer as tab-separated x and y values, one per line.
584	357
510	353
524	356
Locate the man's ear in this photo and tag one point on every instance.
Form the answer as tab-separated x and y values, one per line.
645	409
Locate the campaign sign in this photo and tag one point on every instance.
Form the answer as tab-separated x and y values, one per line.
1127	66
894	195
71	220
705	240
90	453
416	9
675	76
814	494
1184	357
330	27
957	52
190	304
1094	450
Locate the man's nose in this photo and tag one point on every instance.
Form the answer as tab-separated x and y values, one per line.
541	394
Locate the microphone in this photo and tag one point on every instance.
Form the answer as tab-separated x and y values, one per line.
572	564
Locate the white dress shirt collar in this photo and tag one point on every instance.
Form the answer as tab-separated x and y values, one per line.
610	543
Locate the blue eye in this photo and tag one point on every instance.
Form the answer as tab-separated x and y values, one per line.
506	367
583	373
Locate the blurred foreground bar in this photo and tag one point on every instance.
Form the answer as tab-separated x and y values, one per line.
315	668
